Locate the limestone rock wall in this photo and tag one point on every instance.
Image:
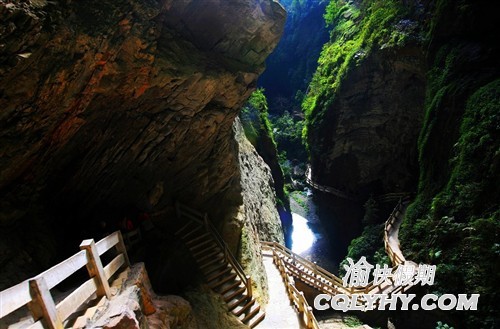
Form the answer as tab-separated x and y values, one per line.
367	142
257	219
115	105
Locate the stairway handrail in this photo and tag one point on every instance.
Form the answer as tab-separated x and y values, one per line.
296	296
246	279
36	291
337	283
203	219
303	261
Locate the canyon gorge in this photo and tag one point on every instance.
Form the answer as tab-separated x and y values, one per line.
116	109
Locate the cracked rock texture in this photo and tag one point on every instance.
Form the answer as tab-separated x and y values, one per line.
257	219
115	105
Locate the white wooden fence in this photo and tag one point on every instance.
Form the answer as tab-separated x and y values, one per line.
35	292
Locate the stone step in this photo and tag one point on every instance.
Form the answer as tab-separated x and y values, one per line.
211	261
182	229
201	237
191	233
208	256
201	245
209	248
216	268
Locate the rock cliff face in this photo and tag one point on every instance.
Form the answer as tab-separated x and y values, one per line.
417	79
115	105
366	143
364	106
459	160
257	219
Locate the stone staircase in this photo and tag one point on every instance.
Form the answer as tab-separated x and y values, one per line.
222	272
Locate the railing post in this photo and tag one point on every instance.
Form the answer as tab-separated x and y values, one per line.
309	317
95	269
301	303
42	304
249	286
121	248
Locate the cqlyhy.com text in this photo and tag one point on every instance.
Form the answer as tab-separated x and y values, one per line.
369	302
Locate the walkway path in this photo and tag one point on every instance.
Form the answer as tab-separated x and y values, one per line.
384	198
324	281
391	235
279	312
327	189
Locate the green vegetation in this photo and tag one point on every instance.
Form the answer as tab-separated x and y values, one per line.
255	117
441	85
441	325
455	221
283	131
300	197
352	321
369	244
355	32
288	135
259	131
288	130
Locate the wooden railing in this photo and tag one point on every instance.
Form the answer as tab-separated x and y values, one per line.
298	266
35	292
391	228
327	189
296	296
321	279
392	197
202	219
384	198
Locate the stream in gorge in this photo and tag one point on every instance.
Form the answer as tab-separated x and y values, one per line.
308	237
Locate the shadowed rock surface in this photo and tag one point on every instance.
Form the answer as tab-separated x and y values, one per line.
367	141
109	107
